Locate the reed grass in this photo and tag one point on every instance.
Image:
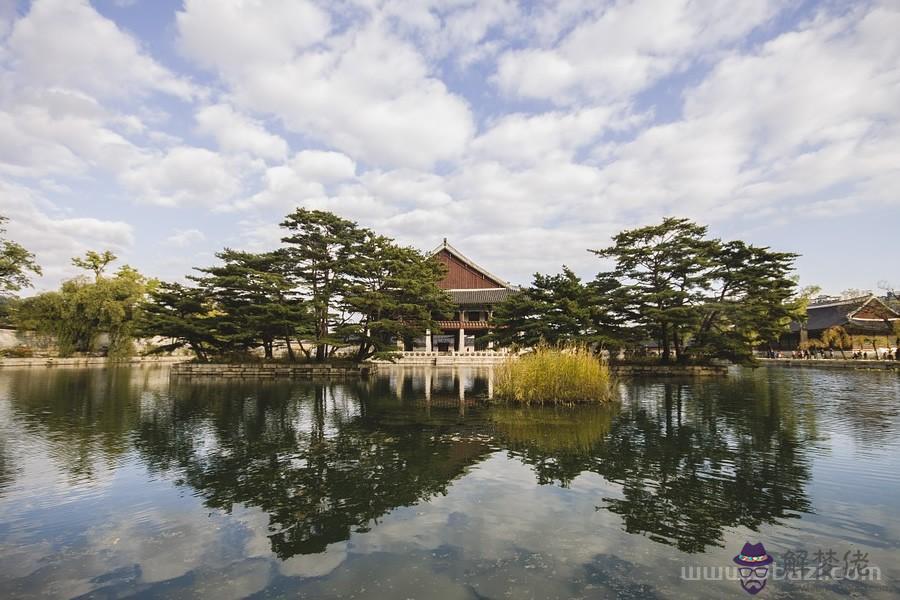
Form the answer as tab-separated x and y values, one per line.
550	375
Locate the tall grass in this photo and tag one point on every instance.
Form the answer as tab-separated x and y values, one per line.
551	375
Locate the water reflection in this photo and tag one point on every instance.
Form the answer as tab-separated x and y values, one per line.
682	464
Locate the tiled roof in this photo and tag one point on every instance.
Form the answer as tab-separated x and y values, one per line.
831	314
474	297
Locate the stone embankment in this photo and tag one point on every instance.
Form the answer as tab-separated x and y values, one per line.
92	361
656	370
272	370
833	363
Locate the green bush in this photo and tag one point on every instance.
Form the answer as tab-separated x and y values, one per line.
554	376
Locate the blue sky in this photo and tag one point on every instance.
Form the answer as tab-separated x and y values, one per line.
523	132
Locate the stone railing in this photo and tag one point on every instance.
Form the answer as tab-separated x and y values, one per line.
272	370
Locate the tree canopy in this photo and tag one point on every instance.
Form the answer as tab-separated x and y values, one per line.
698	297
331	285
81	310
15	263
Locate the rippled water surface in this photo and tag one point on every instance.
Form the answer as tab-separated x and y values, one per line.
120	482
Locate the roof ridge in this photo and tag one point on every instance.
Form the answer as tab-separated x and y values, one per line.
841	302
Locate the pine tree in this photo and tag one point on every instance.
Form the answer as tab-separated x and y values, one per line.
184	314
325	253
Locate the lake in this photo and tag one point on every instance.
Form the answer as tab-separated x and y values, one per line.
120	482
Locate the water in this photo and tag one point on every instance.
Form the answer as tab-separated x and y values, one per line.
119	483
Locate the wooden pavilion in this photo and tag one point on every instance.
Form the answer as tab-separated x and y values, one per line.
475	291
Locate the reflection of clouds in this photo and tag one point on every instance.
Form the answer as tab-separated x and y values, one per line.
315	565
496	511
155	539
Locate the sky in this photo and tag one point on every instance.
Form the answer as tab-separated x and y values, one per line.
524	132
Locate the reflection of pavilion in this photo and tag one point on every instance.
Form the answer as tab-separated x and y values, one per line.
475	292
458	386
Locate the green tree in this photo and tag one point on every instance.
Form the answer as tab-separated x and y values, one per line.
15	264
665	272
751	300
184	314
395	295
256	299
837	337
327	257
82	310
95	262
560	309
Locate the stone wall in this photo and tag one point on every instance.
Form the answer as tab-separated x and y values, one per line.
832	363
91	361
653	370
271	370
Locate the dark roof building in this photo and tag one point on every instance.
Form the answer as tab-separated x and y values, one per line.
862	315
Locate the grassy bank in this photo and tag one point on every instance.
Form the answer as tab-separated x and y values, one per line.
554	376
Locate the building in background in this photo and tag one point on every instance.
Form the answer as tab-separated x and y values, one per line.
475	291
867	319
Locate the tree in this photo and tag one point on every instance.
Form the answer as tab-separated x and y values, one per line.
326	253
95	262
395	295
837	337
184	314
256	299
751	301
560	309
15	263
665	272
81	310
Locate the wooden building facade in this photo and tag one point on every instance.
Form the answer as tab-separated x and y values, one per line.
475	291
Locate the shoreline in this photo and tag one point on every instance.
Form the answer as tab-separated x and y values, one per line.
832	363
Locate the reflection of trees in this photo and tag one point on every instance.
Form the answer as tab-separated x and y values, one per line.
291	451
694	460
554	440
82	415
326	460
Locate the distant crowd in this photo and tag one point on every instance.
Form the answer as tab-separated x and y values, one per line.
819	353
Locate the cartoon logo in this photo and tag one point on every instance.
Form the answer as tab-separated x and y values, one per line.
753	567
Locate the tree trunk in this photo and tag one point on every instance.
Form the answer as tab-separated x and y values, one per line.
290	349
676	341
665	342
201	356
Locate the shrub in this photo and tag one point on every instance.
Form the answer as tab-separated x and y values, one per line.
554	376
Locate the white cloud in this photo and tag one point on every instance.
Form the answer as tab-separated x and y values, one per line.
62	132
67	43
813	114
531	139
184	176
365	92
56	237
326	167
182	238
625	47
237	133
224	34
